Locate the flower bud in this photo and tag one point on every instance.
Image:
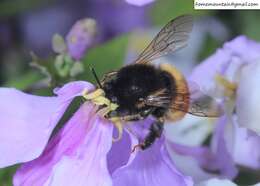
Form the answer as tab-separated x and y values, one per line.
81	37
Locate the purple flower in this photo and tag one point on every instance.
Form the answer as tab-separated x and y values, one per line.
75	156
209	160
232	75
151	167
27	121
81	37
82	152
139	2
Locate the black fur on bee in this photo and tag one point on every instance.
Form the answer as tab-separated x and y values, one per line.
133	84
131	87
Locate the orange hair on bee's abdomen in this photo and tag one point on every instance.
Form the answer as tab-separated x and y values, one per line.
180	104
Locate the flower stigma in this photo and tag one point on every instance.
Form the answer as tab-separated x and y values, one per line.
230	93
229	87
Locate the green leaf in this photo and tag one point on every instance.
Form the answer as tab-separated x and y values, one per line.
23	82
104	58
209	47
10	8
6	175
250	28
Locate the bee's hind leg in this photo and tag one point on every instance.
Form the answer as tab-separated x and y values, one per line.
155	131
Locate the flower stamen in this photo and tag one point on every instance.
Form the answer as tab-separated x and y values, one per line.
230	88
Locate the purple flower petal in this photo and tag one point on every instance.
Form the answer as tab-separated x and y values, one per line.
120	152
223	161
191	130
80	37
192	160
246	107
244	149
226	61
151	167
27	121
217	159
139	2
75	156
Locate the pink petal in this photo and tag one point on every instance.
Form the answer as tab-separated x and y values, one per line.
27	121
151	167
76	156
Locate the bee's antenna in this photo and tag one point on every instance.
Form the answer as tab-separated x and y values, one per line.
96	77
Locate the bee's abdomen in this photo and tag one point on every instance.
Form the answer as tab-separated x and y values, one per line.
179	105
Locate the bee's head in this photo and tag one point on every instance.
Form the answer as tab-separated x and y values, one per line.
109	89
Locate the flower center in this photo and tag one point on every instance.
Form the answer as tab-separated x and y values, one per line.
229	87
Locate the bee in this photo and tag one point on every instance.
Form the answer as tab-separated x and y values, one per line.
142	89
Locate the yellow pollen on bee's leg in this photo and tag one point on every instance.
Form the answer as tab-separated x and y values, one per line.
104	111
89	96
113	106
101	101
118	124
98	98
230	88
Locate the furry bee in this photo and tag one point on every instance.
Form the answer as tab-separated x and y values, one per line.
142	89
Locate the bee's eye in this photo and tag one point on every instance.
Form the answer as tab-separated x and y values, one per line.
135	89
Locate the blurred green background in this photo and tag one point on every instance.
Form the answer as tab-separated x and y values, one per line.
28	25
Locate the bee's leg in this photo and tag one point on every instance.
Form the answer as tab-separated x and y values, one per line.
132	117
140	116
155	131
118	122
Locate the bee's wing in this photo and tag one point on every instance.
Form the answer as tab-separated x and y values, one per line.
199	105
204	106
172	37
